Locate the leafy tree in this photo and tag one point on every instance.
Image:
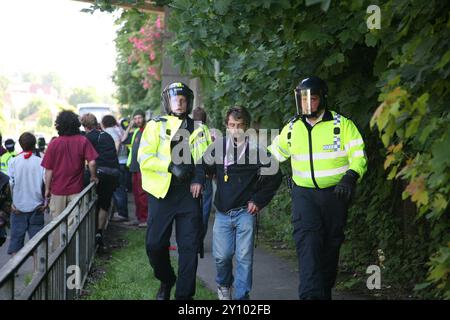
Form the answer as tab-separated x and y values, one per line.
83	95
45	118
54	80
138	46
31	77
32	107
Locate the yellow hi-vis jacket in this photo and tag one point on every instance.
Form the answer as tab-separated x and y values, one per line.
4	161
321	155
154	155
130	147
199	141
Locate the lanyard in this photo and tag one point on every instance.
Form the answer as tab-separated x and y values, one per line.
225	160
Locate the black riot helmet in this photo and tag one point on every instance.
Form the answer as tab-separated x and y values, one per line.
169	94
303	92
9	145
41	143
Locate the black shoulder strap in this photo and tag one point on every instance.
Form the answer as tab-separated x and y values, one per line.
159	118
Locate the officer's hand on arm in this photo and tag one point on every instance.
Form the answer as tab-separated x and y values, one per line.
252	208
181	171
345	189
196	190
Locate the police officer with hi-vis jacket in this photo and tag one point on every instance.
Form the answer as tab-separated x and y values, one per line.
327	159
169	176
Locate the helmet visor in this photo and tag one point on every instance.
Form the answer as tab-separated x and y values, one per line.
303	102
178	101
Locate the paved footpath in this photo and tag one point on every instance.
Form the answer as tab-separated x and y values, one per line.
274	278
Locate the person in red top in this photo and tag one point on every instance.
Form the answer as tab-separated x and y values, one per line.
140	195
64	162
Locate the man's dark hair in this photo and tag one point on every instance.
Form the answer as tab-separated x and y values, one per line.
139	112
239	113
27	141
67	123
109	121
199	114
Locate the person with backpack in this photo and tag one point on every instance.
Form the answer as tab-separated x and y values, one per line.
107	170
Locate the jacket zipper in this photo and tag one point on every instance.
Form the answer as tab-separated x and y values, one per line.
311	157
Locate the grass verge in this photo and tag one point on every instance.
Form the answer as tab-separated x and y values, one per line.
126	274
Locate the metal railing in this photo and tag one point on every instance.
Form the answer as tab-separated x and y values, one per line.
57	273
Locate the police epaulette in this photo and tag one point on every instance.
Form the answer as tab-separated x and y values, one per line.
294	118
159	118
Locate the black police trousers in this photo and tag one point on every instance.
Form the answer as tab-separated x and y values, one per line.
318	218
181	207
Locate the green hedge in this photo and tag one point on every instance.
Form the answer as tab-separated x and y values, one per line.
393	79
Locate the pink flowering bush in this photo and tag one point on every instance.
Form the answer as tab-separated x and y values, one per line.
147	49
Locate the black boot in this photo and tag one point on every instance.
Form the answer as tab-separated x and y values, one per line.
99	240
164	291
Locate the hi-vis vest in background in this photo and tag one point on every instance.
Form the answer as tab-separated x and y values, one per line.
130	147
4	161
199	141
154	155
321	155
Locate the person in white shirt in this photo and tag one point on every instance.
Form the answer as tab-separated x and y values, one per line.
27	188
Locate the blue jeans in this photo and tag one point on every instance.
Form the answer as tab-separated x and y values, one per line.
233	233
120	194
21	223
207	202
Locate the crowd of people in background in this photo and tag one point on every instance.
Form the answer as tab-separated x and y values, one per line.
46	178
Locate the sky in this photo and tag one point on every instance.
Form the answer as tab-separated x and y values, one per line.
41	36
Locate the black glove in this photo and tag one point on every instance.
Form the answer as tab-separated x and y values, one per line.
345	189
2	240
181	171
